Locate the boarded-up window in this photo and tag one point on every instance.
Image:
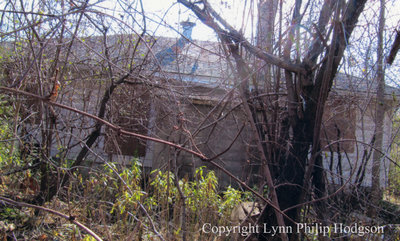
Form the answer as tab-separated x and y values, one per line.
339	123
129	109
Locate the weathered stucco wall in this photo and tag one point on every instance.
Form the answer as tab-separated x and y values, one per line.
355	165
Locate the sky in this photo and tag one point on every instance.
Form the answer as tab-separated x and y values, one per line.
172	13
238	13
163	17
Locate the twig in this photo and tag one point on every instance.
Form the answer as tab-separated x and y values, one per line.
27	167
394	50
230	145
70	218
112	126
207	18
128	133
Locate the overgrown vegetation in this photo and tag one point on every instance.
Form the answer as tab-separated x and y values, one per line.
394	184
85	89
394	171
119	202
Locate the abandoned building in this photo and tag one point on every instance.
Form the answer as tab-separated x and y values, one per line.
183	90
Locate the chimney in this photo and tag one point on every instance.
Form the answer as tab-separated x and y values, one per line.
168	55
187	29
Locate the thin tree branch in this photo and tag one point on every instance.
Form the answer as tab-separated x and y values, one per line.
100	120
230	145
70	218
206	16
128	133
395	49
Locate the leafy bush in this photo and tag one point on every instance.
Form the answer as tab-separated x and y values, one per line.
394	180
113	200
117	194
394	171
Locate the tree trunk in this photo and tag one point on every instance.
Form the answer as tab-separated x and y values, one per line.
376	194
307	85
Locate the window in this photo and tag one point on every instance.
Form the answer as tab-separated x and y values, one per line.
339	122
128	109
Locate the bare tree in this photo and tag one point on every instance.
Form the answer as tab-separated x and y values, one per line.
376	192
95	87
292	164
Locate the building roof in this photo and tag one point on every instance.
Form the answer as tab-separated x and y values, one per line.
191	61
362	86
